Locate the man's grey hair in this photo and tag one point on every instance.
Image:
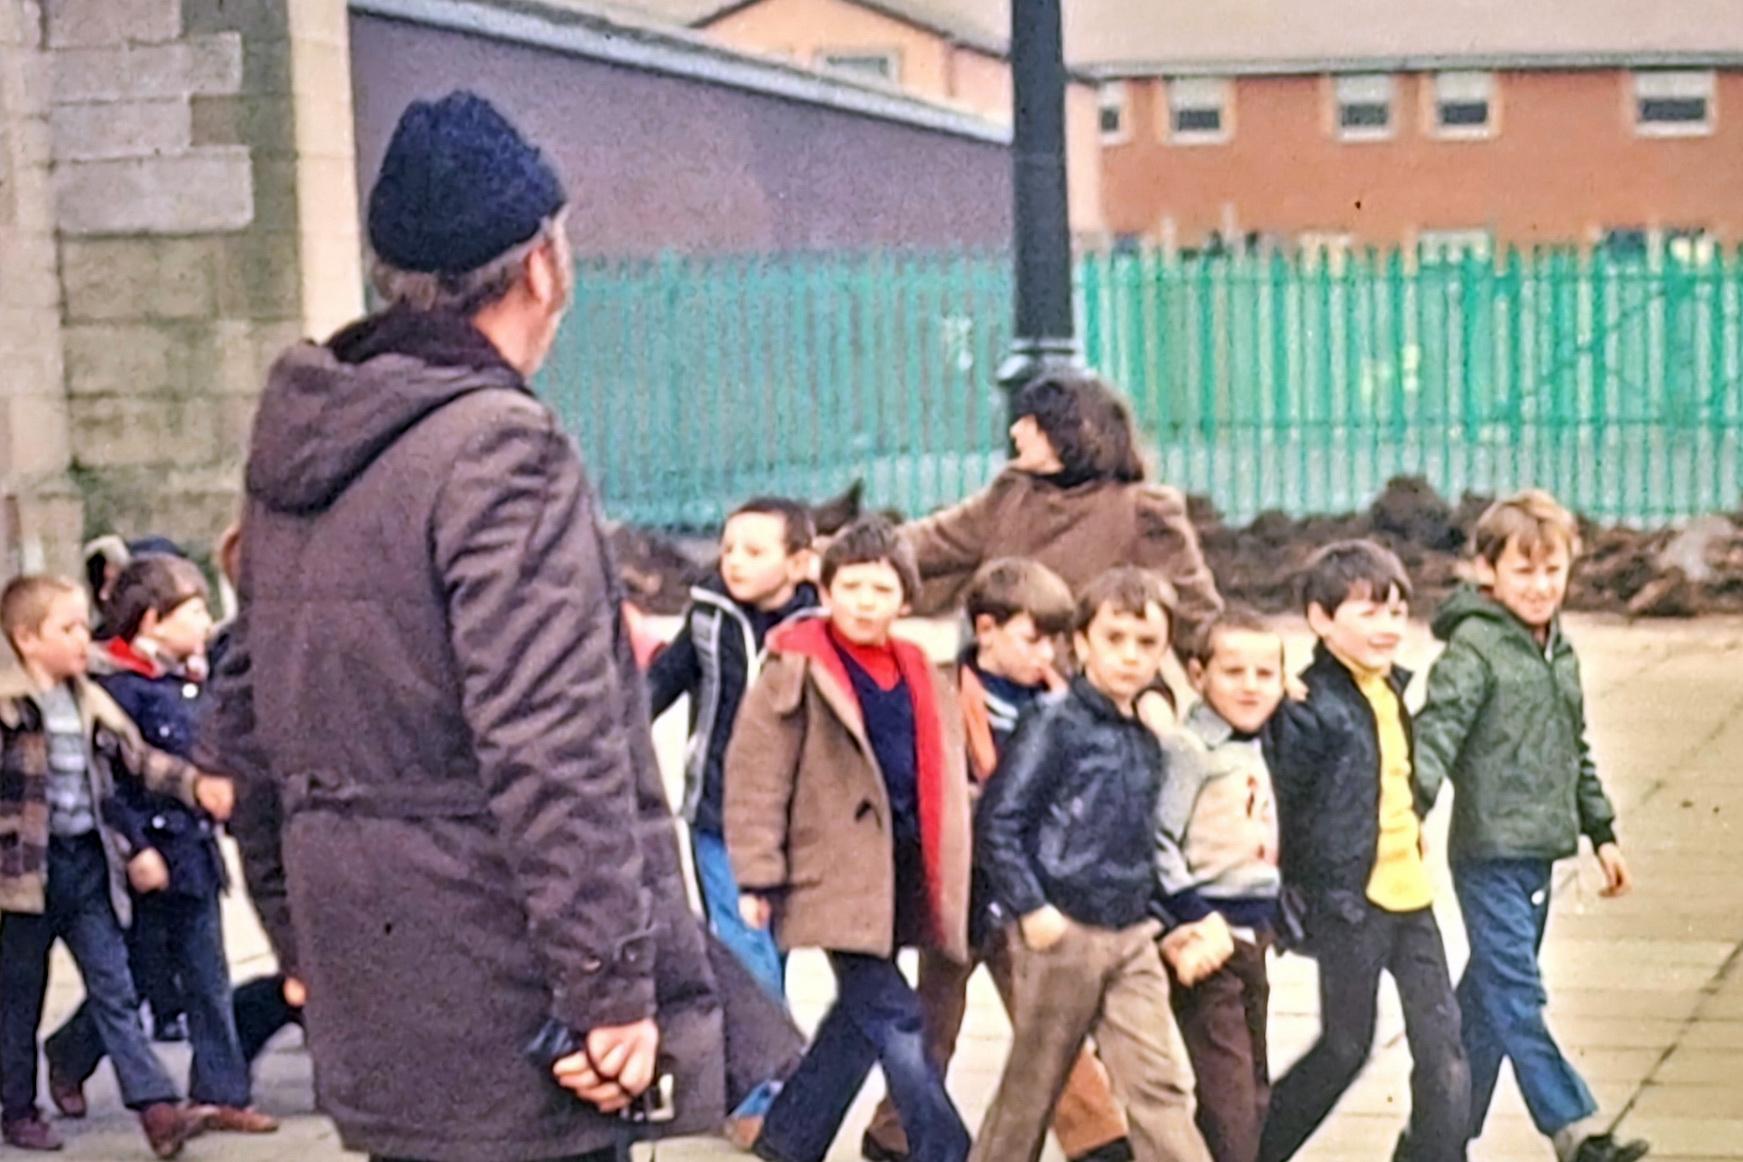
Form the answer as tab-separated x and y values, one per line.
472	291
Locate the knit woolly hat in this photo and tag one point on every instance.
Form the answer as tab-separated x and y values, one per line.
459	186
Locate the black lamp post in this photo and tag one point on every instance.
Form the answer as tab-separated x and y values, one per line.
1042	225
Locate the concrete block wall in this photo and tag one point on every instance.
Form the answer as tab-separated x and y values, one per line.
179	206
39	506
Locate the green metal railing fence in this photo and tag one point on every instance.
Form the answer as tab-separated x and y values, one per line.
1273	382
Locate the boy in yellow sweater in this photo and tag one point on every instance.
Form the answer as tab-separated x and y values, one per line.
1352	855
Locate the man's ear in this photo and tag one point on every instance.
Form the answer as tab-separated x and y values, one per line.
540	272
1318	620
1483	572
1195	673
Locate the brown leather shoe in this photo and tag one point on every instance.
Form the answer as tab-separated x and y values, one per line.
233	1120
31	1133
68	1095
168	1127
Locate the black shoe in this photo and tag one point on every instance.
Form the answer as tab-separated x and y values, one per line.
873	1150
1605	1148
1118	1150
171	1032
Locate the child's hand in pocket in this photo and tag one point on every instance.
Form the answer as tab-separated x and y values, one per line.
1044	927
147	872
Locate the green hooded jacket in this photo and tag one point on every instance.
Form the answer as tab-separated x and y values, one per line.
1505	722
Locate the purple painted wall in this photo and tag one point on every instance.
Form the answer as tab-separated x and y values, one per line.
656	162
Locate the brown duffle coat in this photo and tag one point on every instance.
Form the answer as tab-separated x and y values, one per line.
429	673
808	814
1078	532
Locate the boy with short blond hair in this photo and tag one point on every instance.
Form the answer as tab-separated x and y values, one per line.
1351	830
1066	843
1016	609
63	746
1505	723
1216	861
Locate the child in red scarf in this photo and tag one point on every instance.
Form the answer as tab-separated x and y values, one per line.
847	823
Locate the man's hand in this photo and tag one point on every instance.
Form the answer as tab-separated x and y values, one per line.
296	994
1618	880
216	796
754	910
617	1065
147	872
1043	928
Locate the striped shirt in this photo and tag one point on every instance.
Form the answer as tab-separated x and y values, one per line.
71	810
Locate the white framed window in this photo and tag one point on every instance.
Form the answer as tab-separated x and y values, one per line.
1114	114
1364	106
875	66
1200	110
1464	105
1674	104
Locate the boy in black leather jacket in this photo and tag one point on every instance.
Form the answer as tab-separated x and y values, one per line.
1064	836
1352	852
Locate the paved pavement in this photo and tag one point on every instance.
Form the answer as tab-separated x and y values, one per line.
1647	992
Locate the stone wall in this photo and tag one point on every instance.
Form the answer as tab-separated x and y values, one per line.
39	507
201	225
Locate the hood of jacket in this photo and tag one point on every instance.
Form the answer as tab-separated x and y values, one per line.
1467	602
329	411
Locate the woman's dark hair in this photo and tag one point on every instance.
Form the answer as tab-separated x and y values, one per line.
1089	425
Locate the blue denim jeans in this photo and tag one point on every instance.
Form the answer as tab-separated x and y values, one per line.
195	934
78	912
876	1018
755	948
1506	907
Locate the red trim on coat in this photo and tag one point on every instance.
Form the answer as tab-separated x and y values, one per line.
122	654
811	639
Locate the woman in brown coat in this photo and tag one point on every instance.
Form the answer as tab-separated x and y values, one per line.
1075	499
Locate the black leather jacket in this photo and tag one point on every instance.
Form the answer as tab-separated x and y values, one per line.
1324	755
1069	817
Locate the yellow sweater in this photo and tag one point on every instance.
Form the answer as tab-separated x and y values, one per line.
1400	880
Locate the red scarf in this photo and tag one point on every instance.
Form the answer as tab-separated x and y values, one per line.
896	660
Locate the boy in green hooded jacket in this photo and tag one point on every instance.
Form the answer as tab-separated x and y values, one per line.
1505	722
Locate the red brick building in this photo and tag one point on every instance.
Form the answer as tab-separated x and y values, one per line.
1323	122
1464	122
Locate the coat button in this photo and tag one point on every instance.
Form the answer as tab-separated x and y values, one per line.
592	965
